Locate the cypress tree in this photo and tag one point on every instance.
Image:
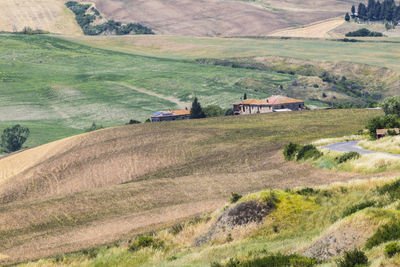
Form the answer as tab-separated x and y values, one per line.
347	17
244	96
196	112
353	9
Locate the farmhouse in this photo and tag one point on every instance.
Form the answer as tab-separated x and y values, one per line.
383	132
171	115
274	103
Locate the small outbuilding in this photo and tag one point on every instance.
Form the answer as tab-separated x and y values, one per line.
171	115
383	132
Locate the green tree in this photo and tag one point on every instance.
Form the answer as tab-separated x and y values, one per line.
244	96
14	137
391	105
213	111
196	112
353	10
347	17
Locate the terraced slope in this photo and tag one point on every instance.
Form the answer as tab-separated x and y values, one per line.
48	15
102	186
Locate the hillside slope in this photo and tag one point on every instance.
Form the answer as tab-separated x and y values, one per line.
102	186
221	18
48	15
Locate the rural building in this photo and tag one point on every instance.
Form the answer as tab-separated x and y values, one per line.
276	103
383	132
171	115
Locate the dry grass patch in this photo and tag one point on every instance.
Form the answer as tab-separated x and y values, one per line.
389	144
48	15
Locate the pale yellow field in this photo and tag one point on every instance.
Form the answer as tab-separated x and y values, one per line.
316	30
48	15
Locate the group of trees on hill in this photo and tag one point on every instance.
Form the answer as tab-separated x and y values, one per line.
391	119
378	11
86	15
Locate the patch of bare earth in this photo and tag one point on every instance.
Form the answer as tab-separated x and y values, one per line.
341	237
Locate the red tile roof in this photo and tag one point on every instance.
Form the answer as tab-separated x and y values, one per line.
178	112
273	100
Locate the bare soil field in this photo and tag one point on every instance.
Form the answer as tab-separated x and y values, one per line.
316	30
48	15
220	18
106	185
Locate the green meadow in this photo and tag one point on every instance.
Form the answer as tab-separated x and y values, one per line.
60	88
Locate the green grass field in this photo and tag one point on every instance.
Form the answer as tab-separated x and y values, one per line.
382	52
49	81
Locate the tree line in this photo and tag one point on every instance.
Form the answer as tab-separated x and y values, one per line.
378	11
85	17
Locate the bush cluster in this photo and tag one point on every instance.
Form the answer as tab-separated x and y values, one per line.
392	189
295	151
382	122
277	260
387	232
353	258
360	206
85	20
145	241
364	33
391	249
308	152
347	156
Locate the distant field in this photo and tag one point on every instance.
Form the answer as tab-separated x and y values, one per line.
106	185
222	18
48	15
383	52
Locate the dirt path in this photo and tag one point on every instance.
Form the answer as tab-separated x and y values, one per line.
315	30
172	99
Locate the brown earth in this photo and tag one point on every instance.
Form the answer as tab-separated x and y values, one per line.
113	183
221	18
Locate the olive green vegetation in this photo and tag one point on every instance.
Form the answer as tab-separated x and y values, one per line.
300	217
47	81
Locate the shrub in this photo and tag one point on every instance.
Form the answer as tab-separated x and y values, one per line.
229	112
360	206
347	156
391	249
133	122
277	260
145	241
387	232
14	137
393	189
307	191
290	151
176	229
364	33
235	197
353	258
213	111
94	127
308	152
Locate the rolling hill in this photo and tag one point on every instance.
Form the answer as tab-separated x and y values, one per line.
191	18
99	187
